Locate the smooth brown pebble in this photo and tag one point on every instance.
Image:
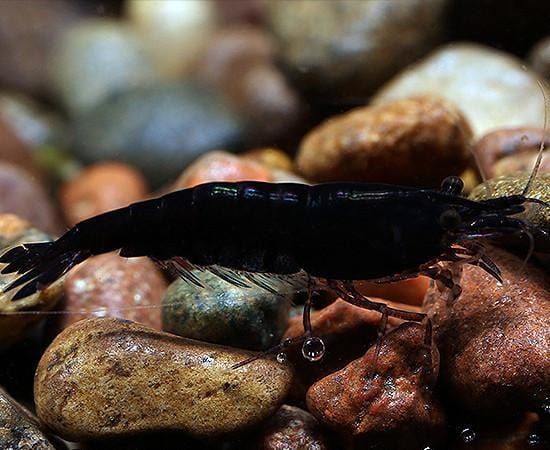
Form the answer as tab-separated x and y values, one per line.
510	150
414	141
13	326
104	378
100	188
495	340
396	408
19	429
23	195
292	428
110	285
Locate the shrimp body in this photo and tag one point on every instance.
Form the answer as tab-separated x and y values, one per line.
334	231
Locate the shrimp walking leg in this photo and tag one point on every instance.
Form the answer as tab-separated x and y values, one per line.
350	294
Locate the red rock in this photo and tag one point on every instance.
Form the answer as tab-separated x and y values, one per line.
396	407
114	286
495	340
101	188
347	331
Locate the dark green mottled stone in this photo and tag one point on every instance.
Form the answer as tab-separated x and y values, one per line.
250	318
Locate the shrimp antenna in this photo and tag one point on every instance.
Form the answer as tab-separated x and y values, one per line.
542	86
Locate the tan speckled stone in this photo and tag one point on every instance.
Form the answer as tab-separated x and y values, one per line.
112	378
514	184
413	141
13	326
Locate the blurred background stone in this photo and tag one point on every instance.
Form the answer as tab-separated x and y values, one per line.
96	59
493	89
99	188
172	31
342	50
28	31
539	57
24	195
158	129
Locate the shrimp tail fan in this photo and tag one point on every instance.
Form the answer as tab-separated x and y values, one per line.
38	265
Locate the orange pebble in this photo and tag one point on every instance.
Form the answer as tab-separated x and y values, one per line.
410	292
222	166
101	188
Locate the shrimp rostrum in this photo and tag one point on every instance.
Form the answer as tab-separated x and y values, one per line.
249	232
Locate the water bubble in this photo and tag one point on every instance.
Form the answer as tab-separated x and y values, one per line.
533	439
281	357
313	349
468	435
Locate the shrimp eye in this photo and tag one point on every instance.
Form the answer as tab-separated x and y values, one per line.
452	185
450	219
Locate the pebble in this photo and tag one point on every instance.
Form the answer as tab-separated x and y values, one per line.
514	185
33	124
158	129
172	32
231	47
19	429
240	63
394	409
271	157
221	166
13	231
491	88
95	59
13	150
99	188
495	340
413	141
292	428
28	31
503	152
345	49
539	57
109	285
106	378
347	331
23	195
410	291
222	313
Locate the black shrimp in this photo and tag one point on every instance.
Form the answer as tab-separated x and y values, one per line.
248	232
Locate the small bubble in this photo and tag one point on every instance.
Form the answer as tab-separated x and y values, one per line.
468	435
281	357
313	349
533	439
